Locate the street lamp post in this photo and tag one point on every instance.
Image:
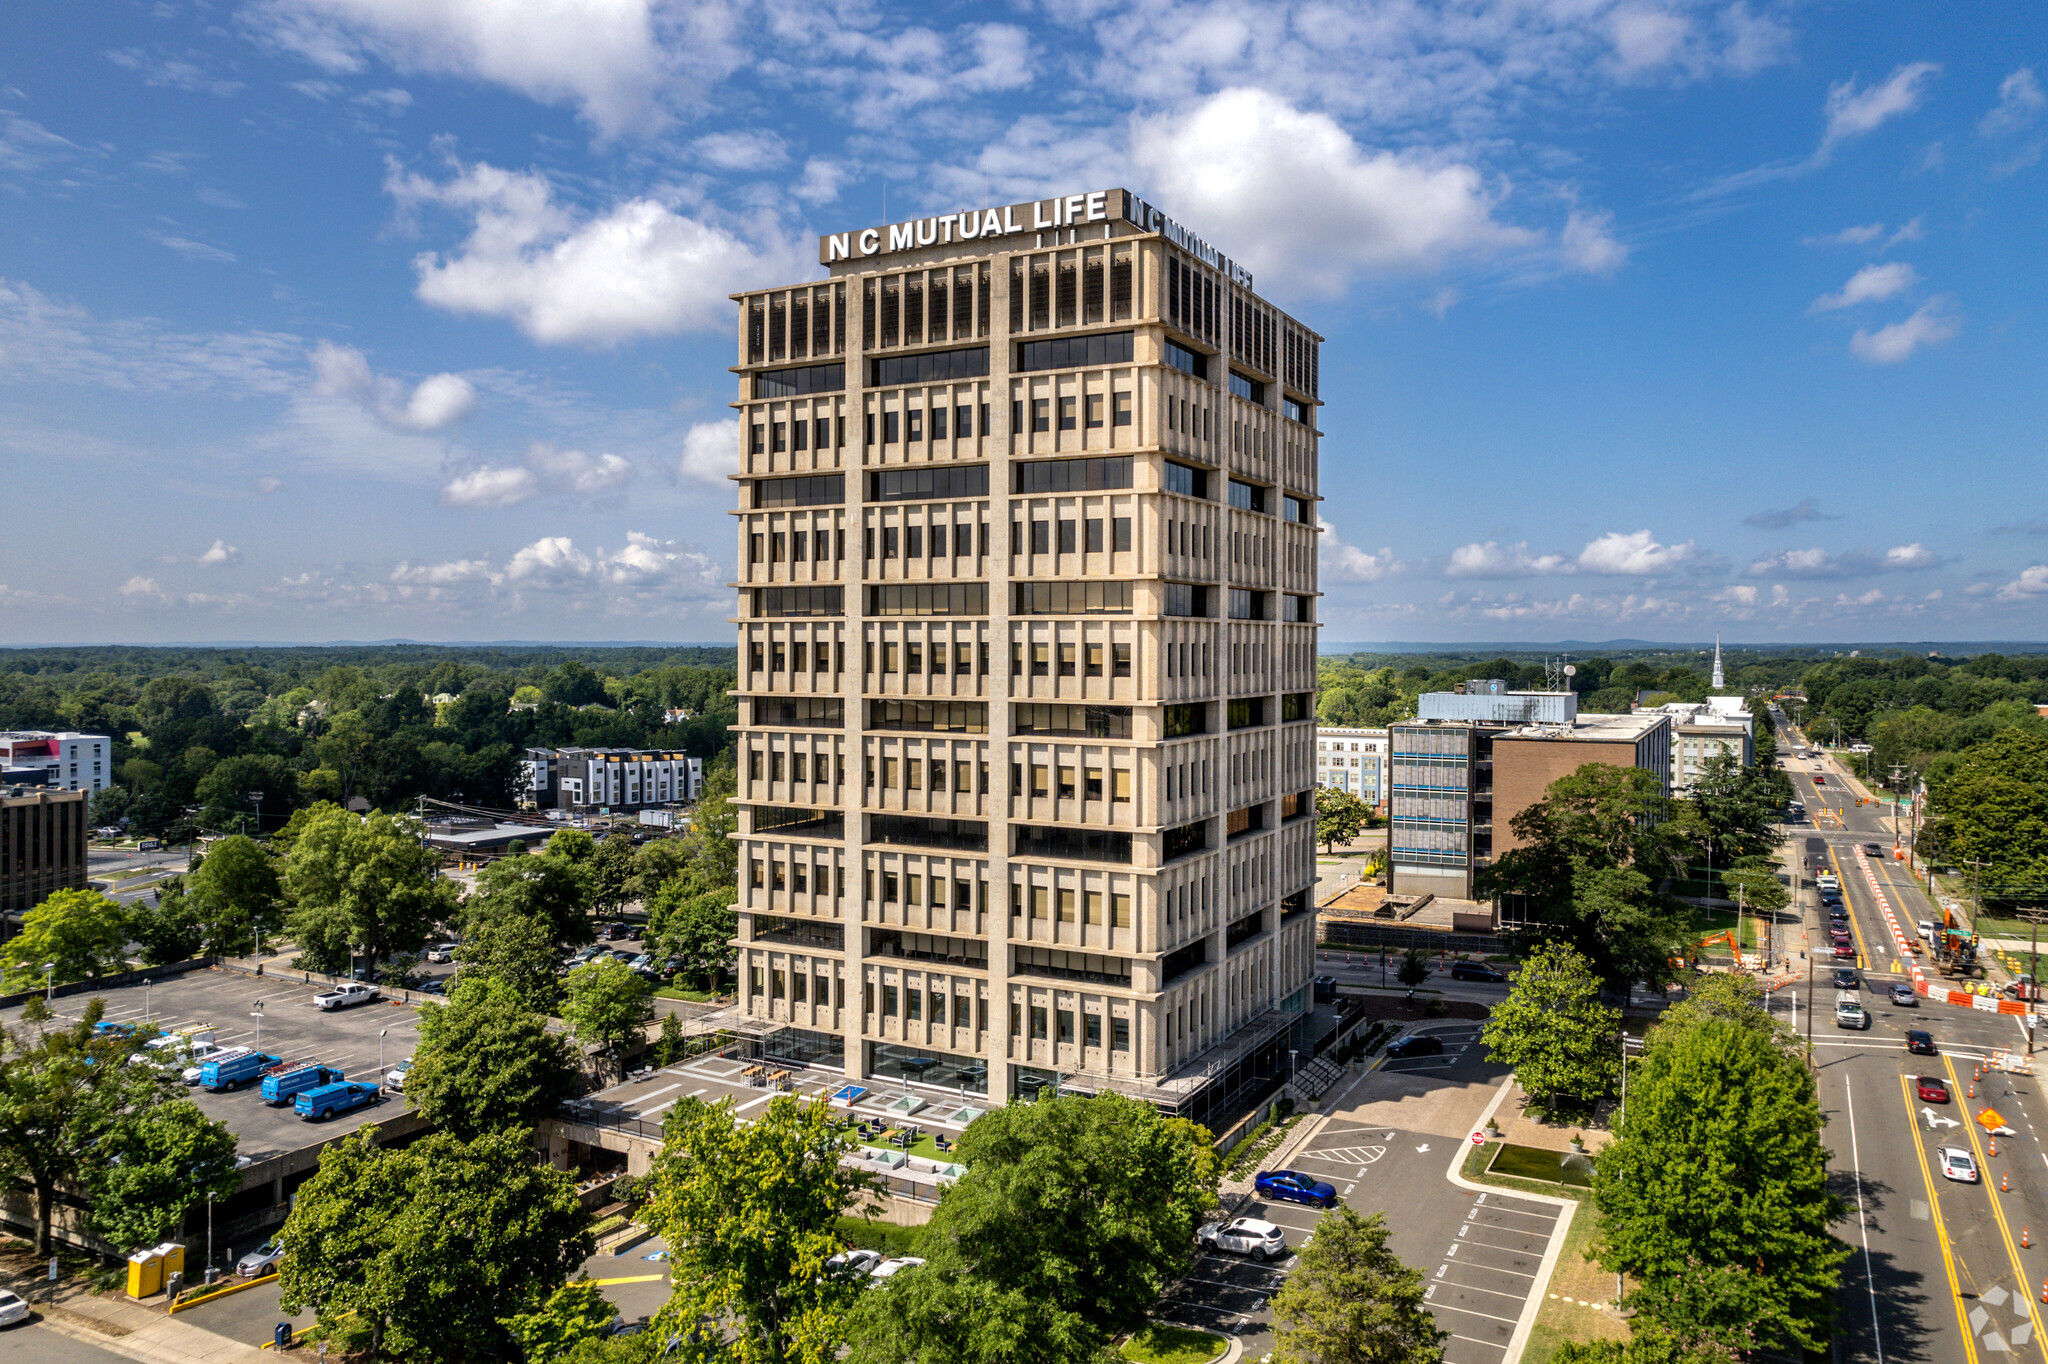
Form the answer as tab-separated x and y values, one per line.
49	981
256	1012
380	1054
145	999
1291	1054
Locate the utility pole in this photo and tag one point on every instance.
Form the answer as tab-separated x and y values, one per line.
2031	991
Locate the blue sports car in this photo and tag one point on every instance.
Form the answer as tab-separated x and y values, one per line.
1294	1187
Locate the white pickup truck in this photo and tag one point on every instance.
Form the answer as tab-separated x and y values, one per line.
346	996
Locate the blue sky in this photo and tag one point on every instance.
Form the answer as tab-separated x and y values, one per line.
326	319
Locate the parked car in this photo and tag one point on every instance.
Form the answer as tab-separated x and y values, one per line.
1903	995
1919	1042
441	953
853	1264
643	962
1245	1236
12	1308
1476	970
1957	1164
624	958
262	1260
199	1055
1293	1187
346	996
1931	1089
1846	979
890	1268
394	1078
329	1100
1418	1044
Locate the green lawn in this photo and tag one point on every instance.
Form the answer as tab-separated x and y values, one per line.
924	1147
1529	1162
678	992
886	1237
1158	1343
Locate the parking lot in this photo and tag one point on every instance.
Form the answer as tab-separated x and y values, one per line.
289	1027
1387	1147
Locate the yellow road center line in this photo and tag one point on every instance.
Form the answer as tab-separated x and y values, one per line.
2012	1250
1955	1287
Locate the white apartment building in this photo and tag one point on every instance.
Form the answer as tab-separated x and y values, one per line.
614	779
1027	636
1701	731
65	761
1353	760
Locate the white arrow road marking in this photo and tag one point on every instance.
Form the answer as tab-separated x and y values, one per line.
1935	1120
1422	1148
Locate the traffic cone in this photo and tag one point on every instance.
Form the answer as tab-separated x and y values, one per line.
1973	1090
2005	1184
2044	1290
2025	1244
1994	1146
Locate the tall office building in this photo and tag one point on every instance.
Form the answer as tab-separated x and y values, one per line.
1027	654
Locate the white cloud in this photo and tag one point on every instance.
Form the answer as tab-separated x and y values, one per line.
1586	245
185	73
577	473
221	555
1871	284
143	591
26	145
1780	518
391	101
490	488
820	181
1345	563
1635	554
1292	193
2032	582
437	402
266	484
191	250
710	451
639	269
614	60
1931	325
1495	560
1821	563
2020	103
45	340
1850	236
1852	112
744	151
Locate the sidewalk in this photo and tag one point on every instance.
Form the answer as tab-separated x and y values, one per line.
139	1330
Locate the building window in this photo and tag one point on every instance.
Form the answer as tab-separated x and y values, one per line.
1071	352
1071	475
1071	599
1187	361
815	490
1178	722
1251	390
1187	481
1247	496
1186	599
931	367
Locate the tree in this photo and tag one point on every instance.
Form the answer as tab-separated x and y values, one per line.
166	926
714	857
552	889
1585	867
1714	1192
424	1252
487	1062
81	933
1339	817
363	883
573	1313
749	1212
1553	1030
655	864
1350	1300
159	1161
607	1005
234	891
1414	968
611	875
515	949
694	928
1079	1210
62	1090
227	793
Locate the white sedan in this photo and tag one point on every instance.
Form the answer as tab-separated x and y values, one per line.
1246	1236
889	1269
12	1308
1958	1165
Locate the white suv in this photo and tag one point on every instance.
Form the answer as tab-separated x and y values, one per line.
1246	1236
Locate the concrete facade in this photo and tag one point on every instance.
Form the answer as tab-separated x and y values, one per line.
66	760
590	779
1526	761
1027	653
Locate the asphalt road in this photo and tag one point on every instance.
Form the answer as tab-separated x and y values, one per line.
1479	1253
33	1342
1937	1270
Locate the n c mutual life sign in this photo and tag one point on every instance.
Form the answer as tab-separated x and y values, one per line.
990	225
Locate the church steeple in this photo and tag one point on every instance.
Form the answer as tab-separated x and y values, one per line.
1720	679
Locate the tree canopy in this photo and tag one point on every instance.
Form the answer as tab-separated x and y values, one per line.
486	1062
1553	1030
81	934
608	1004
1350	1300
360	883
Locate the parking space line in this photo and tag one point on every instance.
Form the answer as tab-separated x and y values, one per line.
1470	1312
1492	1269
1475	1288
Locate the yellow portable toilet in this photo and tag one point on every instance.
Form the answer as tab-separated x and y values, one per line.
146	1273
173	1253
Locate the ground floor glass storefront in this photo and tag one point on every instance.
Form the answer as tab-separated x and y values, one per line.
801	1046
888	1061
